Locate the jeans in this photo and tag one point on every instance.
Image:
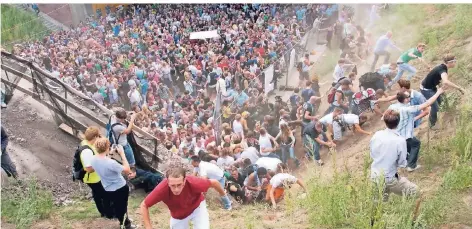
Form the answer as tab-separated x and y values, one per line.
287	150
119	206
413	148
433	115
222	181
376	58
402	68
100	198
129	154
7	164
312	147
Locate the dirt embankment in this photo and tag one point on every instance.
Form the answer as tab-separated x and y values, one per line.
38	147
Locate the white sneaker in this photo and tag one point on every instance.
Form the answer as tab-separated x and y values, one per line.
409	169
320	162
4	105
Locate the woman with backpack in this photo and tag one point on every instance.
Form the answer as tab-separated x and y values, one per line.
111	175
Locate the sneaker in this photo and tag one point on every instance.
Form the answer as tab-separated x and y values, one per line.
4	105
409	169
320	162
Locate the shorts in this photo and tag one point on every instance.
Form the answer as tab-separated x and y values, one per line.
278	193
303	76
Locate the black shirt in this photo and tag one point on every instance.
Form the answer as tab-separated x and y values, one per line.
310	130
432	80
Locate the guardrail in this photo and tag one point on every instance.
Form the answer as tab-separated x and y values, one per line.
41	85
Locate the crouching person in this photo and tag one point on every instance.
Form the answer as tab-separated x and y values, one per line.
184	197
110	172
314	138
277	186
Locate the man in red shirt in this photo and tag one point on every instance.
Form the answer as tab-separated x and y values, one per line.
183	195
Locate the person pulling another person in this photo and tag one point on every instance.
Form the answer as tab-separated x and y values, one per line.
184	197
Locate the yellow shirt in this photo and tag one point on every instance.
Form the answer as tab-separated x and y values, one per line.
89	178
226	112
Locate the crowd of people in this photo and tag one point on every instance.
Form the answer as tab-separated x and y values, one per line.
141	58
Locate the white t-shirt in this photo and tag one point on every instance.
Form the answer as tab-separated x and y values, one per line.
209	170
224	162
86	157
238	128
134	96
327	119
251	153
264	142
268	163
350	119
282	178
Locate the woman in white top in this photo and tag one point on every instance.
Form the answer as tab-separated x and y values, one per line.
238	126
265	143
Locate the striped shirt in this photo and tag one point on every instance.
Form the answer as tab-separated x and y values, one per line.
407	118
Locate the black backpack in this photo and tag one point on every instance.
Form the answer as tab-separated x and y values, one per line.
369	80
78	172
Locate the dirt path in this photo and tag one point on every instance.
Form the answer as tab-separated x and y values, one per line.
37	146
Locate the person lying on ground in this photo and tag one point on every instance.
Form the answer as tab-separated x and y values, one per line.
143	179
277	185
364	101
184	197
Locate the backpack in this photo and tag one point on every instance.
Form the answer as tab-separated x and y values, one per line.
331	95
369	79
78	172
110	135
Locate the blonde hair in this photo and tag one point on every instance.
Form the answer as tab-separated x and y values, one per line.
102	145
91	133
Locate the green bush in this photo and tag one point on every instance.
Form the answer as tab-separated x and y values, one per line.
458	178
25	202
19	25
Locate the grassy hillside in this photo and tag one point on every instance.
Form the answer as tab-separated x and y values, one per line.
19	25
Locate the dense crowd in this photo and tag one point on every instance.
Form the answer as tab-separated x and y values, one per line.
141	58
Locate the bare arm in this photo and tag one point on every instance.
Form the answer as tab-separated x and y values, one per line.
431	100
445	80
423	113
217	186
89	169
130	125
300	182
272	198
145	214
357	128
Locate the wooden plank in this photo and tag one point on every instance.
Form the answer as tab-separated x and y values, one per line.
70	131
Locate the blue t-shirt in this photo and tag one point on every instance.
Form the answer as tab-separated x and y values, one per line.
110	173
307	93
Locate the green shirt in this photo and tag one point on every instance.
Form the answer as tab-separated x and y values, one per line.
405	58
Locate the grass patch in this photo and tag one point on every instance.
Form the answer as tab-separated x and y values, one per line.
84	210
24	202
19	25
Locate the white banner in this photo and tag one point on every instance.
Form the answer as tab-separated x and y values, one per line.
269	75
292	59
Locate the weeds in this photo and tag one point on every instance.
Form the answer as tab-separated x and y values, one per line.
19	25
24	202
